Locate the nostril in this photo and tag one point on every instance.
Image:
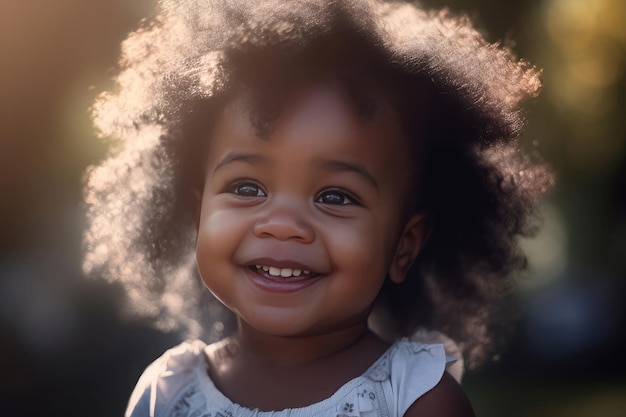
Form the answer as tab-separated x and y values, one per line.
283	229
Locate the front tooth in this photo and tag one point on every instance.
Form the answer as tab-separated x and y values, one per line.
285	272
296	272
274	271
258	266
306	272
266	268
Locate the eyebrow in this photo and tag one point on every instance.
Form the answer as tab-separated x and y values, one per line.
336	165
328	164
239	157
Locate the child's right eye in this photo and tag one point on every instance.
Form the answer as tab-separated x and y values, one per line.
247	189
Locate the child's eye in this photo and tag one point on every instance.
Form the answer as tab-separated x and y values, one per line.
247	189
334	197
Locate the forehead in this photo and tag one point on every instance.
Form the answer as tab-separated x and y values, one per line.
319	127
318	112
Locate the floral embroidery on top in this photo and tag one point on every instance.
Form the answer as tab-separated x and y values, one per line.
366	393
361	401
187	405
193	404
347	410
182	386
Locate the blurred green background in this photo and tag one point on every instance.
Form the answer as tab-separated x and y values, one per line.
66	350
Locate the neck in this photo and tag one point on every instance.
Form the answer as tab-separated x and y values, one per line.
285	350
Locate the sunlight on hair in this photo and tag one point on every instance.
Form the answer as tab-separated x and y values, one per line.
194	54
211	77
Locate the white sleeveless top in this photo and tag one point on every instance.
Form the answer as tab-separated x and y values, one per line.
178	385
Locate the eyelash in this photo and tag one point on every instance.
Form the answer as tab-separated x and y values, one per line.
347	198
236	187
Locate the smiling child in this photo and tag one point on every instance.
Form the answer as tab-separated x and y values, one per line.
341	174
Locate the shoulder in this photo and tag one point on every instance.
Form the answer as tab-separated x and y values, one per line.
165	377
418	378
446	399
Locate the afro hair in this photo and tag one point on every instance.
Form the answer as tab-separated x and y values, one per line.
178	70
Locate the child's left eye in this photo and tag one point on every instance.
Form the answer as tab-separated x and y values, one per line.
334	197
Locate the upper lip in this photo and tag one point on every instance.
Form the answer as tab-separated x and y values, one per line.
282	264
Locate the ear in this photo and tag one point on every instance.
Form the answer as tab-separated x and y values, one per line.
414	236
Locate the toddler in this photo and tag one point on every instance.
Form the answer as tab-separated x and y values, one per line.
342	176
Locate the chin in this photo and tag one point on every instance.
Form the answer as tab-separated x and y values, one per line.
282	325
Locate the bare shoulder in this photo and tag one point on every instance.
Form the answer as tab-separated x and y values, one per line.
446	399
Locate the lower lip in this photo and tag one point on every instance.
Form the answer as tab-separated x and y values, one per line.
284	285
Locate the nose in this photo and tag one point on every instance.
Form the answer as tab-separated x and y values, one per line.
285	220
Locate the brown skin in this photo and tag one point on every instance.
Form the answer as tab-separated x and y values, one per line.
325	193
254	380
447	399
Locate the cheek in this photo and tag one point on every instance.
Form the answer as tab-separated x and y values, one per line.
217	238
362	248
214	250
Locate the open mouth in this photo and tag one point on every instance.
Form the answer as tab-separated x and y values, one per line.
276	279
273	272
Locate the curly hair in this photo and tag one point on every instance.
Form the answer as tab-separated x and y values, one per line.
458	97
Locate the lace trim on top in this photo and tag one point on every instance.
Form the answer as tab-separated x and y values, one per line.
361	396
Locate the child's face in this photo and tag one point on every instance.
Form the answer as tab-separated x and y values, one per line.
298	231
